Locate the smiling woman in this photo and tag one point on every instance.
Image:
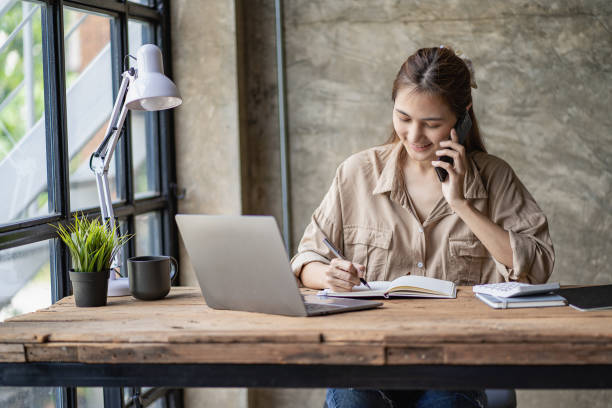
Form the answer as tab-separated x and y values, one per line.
391	214
450	94
479	225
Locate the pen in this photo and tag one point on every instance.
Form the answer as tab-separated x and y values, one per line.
336	252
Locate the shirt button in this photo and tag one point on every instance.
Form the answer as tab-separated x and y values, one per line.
420	229
420	264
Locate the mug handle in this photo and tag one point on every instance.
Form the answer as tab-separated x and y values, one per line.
173	269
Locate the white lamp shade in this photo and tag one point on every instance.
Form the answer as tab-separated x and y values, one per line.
151	90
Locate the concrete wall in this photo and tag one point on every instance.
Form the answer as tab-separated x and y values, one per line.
544	75
207	134
207	123
261	139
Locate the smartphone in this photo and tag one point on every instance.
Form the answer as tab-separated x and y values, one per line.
462	127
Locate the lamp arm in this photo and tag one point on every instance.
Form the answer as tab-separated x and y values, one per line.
114	138
102	150
99	161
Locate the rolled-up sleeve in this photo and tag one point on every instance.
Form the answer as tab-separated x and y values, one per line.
326	222
514	209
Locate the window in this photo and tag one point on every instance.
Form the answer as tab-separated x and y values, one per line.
90	397
26	279
23	173
148	231
143	125
21	397
60	71
89	99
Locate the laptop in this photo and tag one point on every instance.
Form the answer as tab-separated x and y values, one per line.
241	264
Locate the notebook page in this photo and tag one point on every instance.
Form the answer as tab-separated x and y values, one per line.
424	284
378	289
375	285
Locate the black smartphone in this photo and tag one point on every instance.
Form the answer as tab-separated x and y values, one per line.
462	127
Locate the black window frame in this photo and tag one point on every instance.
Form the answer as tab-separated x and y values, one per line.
38	229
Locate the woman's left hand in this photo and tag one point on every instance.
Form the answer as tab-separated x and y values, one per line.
452	187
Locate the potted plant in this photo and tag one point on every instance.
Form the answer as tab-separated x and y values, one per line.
93	246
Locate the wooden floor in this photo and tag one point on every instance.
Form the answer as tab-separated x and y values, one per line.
182	329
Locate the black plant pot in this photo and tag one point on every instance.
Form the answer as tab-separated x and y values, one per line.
89	288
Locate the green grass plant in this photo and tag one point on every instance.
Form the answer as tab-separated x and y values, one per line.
92	244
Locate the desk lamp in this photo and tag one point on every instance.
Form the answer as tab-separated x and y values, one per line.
147	89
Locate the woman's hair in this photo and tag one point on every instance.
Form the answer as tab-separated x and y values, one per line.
439	71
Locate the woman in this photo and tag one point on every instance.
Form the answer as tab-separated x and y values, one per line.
389	213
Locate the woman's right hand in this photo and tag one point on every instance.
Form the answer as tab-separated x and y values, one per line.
342	275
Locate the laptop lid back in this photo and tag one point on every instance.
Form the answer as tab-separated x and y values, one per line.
241	263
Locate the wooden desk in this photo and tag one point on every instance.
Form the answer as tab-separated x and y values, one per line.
409	343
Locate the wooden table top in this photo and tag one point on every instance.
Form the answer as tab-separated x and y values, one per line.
182	329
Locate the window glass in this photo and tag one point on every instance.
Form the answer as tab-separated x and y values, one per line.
148	234
89	100
27	397
26	279
143	124
26	287
23	170
143	2
159	403
89	397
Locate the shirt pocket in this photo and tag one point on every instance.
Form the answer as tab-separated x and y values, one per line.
369	247
466	259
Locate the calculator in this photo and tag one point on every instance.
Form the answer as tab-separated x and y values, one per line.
513	289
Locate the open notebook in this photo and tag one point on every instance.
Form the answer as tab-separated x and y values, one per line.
404	286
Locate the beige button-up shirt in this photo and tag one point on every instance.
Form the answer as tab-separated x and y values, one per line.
368	214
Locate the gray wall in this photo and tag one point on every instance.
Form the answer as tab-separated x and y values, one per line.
205	66
544	89
207	123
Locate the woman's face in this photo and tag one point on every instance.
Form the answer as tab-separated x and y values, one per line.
422	121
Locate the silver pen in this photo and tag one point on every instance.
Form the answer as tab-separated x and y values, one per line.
338	254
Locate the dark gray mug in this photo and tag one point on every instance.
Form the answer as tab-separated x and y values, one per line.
150	276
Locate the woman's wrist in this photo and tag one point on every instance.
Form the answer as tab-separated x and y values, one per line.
460	207
495	239
313	275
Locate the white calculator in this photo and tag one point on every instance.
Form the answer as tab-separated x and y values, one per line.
513	289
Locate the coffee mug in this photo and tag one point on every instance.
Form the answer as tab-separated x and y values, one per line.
151	276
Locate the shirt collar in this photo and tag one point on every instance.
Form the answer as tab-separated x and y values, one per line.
390	177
